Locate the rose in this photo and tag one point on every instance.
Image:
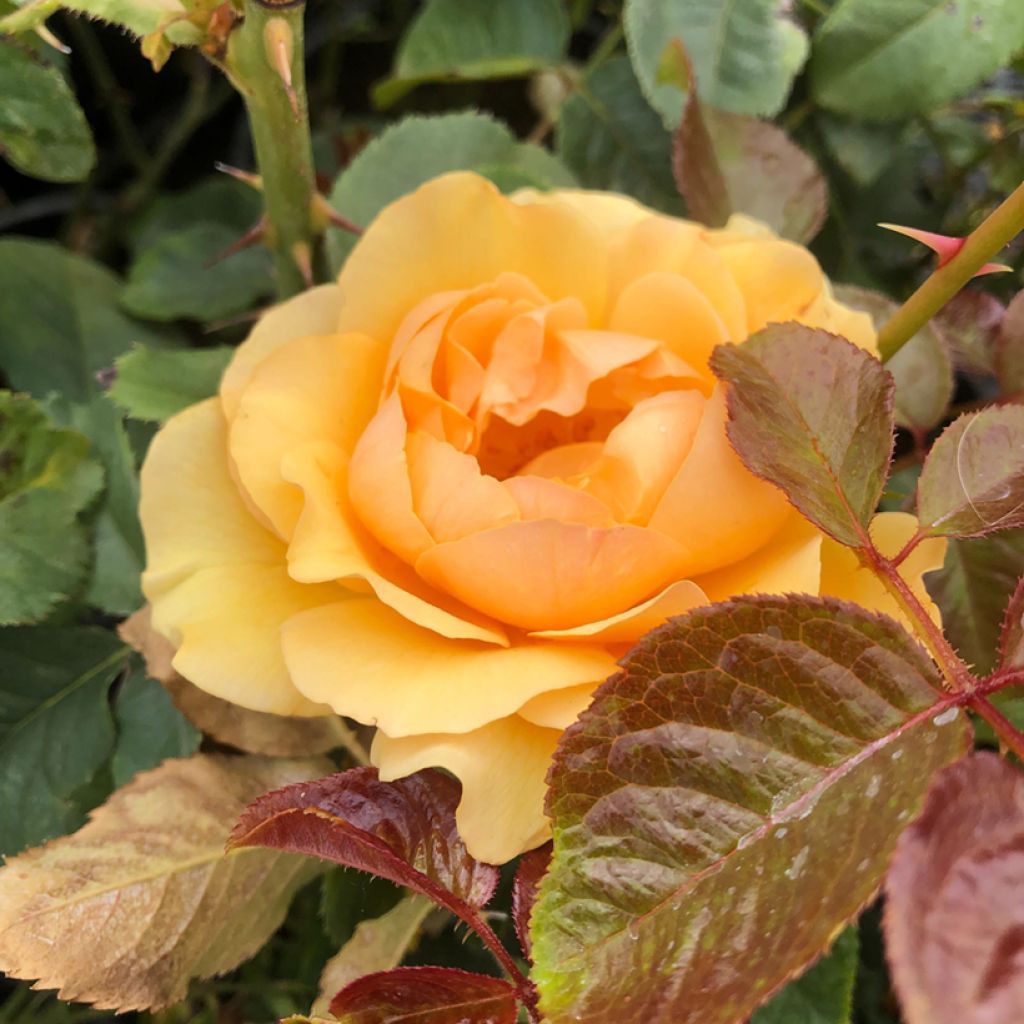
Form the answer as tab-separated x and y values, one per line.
443	496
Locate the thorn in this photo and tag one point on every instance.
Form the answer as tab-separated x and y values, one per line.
51	40
944	246
252	237
246	177
279	43
324	214
303	257
994	268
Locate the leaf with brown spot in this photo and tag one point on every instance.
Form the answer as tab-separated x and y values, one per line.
954	920
972	482
255	732
426	995
727	803
124	912
812	414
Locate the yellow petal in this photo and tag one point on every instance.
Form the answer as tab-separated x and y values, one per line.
502	768
371	664
610	211
320	387
842	575
226	624
329	543
716	509
790	563
192	514
629	626
313	312
540	498
457	231
546	574
558	709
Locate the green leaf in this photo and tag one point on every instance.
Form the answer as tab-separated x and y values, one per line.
465	40
823	994
43	131
727	163
55	726
863	151
128	909
140	17
610	138
745	53
885	61
348	897
417	149
61	321
155	383
972	590
150	729
726	803
46	479
954	918
174	277
973	479
812	414
922	368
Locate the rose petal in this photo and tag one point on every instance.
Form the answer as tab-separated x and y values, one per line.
611	212
329	543
501	766
369	663
716	509
192	513
550	575
321	387
539	498
379	487
843	576
790	563
398	262
313	312
558	709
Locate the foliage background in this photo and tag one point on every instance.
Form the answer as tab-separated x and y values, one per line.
120	256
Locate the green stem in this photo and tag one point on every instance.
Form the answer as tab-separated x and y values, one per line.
279	120
981	245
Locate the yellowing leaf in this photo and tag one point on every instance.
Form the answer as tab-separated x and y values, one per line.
125	911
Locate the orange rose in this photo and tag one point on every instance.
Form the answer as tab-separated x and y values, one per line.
444	495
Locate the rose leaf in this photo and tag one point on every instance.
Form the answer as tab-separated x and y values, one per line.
1011	638
972	482
532	869
426	995
727	803
141	899
970	323
1009	358
954	918
403	831
812	414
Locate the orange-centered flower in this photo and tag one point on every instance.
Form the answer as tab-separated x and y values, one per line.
444	495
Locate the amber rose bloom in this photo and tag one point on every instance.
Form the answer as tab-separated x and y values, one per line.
443	496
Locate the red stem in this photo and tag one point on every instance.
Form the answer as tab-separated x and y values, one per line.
1009	736
524	987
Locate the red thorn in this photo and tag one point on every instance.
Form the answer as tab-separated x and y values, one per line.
944	246
252	237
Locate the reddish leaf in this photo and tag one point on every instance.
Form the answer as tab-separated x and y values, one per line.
922	368
954	917
532	869
426	995
812	414
1011	638
404	831
1009	359
970	323
726	803
727	163
973	479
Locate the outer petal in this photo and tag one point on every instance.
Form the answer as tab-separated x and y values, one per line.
192	514
502	768
320	387
330	543
611	211
558	709
550	575
456	231
313	312
715	507
843	576
226	625
369	663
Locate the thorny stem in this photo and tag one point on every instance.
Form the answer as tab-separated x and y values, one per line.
524	987
981	245
1004	729
279	119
